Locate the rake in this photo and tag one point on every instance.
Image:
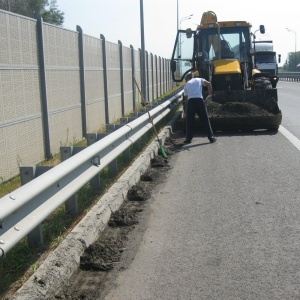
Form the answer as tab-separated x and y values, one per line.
144	103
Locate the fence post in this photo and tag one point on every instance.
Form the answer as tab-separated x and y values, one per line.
105	78
156	76
152	76
168	72
140	56
160	77
147	76
163	76
43	82
167	75
132	81
82	81
122	77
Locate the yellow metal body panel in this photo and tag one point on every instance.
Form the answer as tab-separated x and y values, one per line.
225	24
227	67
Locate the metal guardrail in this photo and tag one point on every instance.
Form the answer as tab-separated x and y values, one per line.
289	76
23	210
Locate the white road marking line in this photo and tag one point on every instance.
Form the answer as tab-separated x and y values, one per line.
295	141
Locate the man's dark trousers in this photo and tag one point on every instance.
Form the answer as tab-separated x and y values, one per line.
196	106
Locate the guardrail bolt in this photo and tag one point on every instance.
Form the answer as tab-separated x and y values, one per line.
96	161
17	228
2	242
12	197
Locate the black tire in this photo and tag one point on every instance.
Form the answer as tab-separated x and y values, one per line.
273	130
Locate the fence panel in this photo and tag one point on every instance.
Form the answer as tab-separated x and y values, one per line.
55	88
113	79
127	71
63	86
137	75
21	133
94	83
150	78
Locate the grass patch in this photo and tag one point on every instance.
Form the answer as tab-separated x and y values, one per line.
9	186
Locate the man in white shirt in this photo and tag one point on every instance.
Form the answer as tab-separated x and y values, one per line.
195	105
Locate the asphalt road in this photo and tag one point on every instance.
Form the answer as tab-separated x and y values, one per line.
289	103
226	223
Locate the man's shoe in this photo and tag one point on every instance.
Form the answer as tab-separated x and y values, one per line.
186	141
213	140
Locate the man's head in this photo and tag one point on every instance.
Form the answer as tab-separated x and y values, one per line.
188	76
196	74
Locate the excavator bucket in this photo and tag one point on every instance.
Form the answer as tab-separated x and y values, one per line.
244	110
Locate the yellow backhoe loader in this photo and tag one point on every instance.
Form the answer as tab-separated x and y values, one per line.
222	53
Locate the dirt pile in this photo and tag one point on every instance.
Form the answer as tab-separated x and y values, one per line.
234	109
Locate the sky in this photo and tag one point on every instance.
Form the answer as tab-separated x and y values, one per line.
120	20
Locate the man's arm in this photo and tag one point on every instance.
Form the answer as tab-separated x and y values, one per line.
209	87
185	96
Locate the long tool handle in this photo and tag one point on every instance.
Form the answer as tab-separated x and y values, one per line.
151	120
143	99
145	104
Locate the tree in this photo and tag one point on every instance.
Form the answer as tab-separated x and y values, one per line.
292	62
47	9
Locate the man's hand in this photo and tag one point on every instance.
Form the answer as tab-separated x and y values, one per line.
208	98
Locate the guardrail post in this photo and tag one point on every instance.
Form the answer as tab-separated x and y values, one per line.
113	166
71	204
35	237
124	121
91	139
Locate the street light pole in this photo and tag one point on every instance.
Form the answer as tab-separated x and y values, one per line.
185	18
293	31
179	49
177	16
143	64
182	19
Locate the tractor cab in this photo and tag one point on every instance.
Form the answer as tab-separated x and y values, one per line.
212	45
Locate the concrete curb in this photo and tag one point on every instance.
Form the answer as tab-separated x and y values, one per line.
63	262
